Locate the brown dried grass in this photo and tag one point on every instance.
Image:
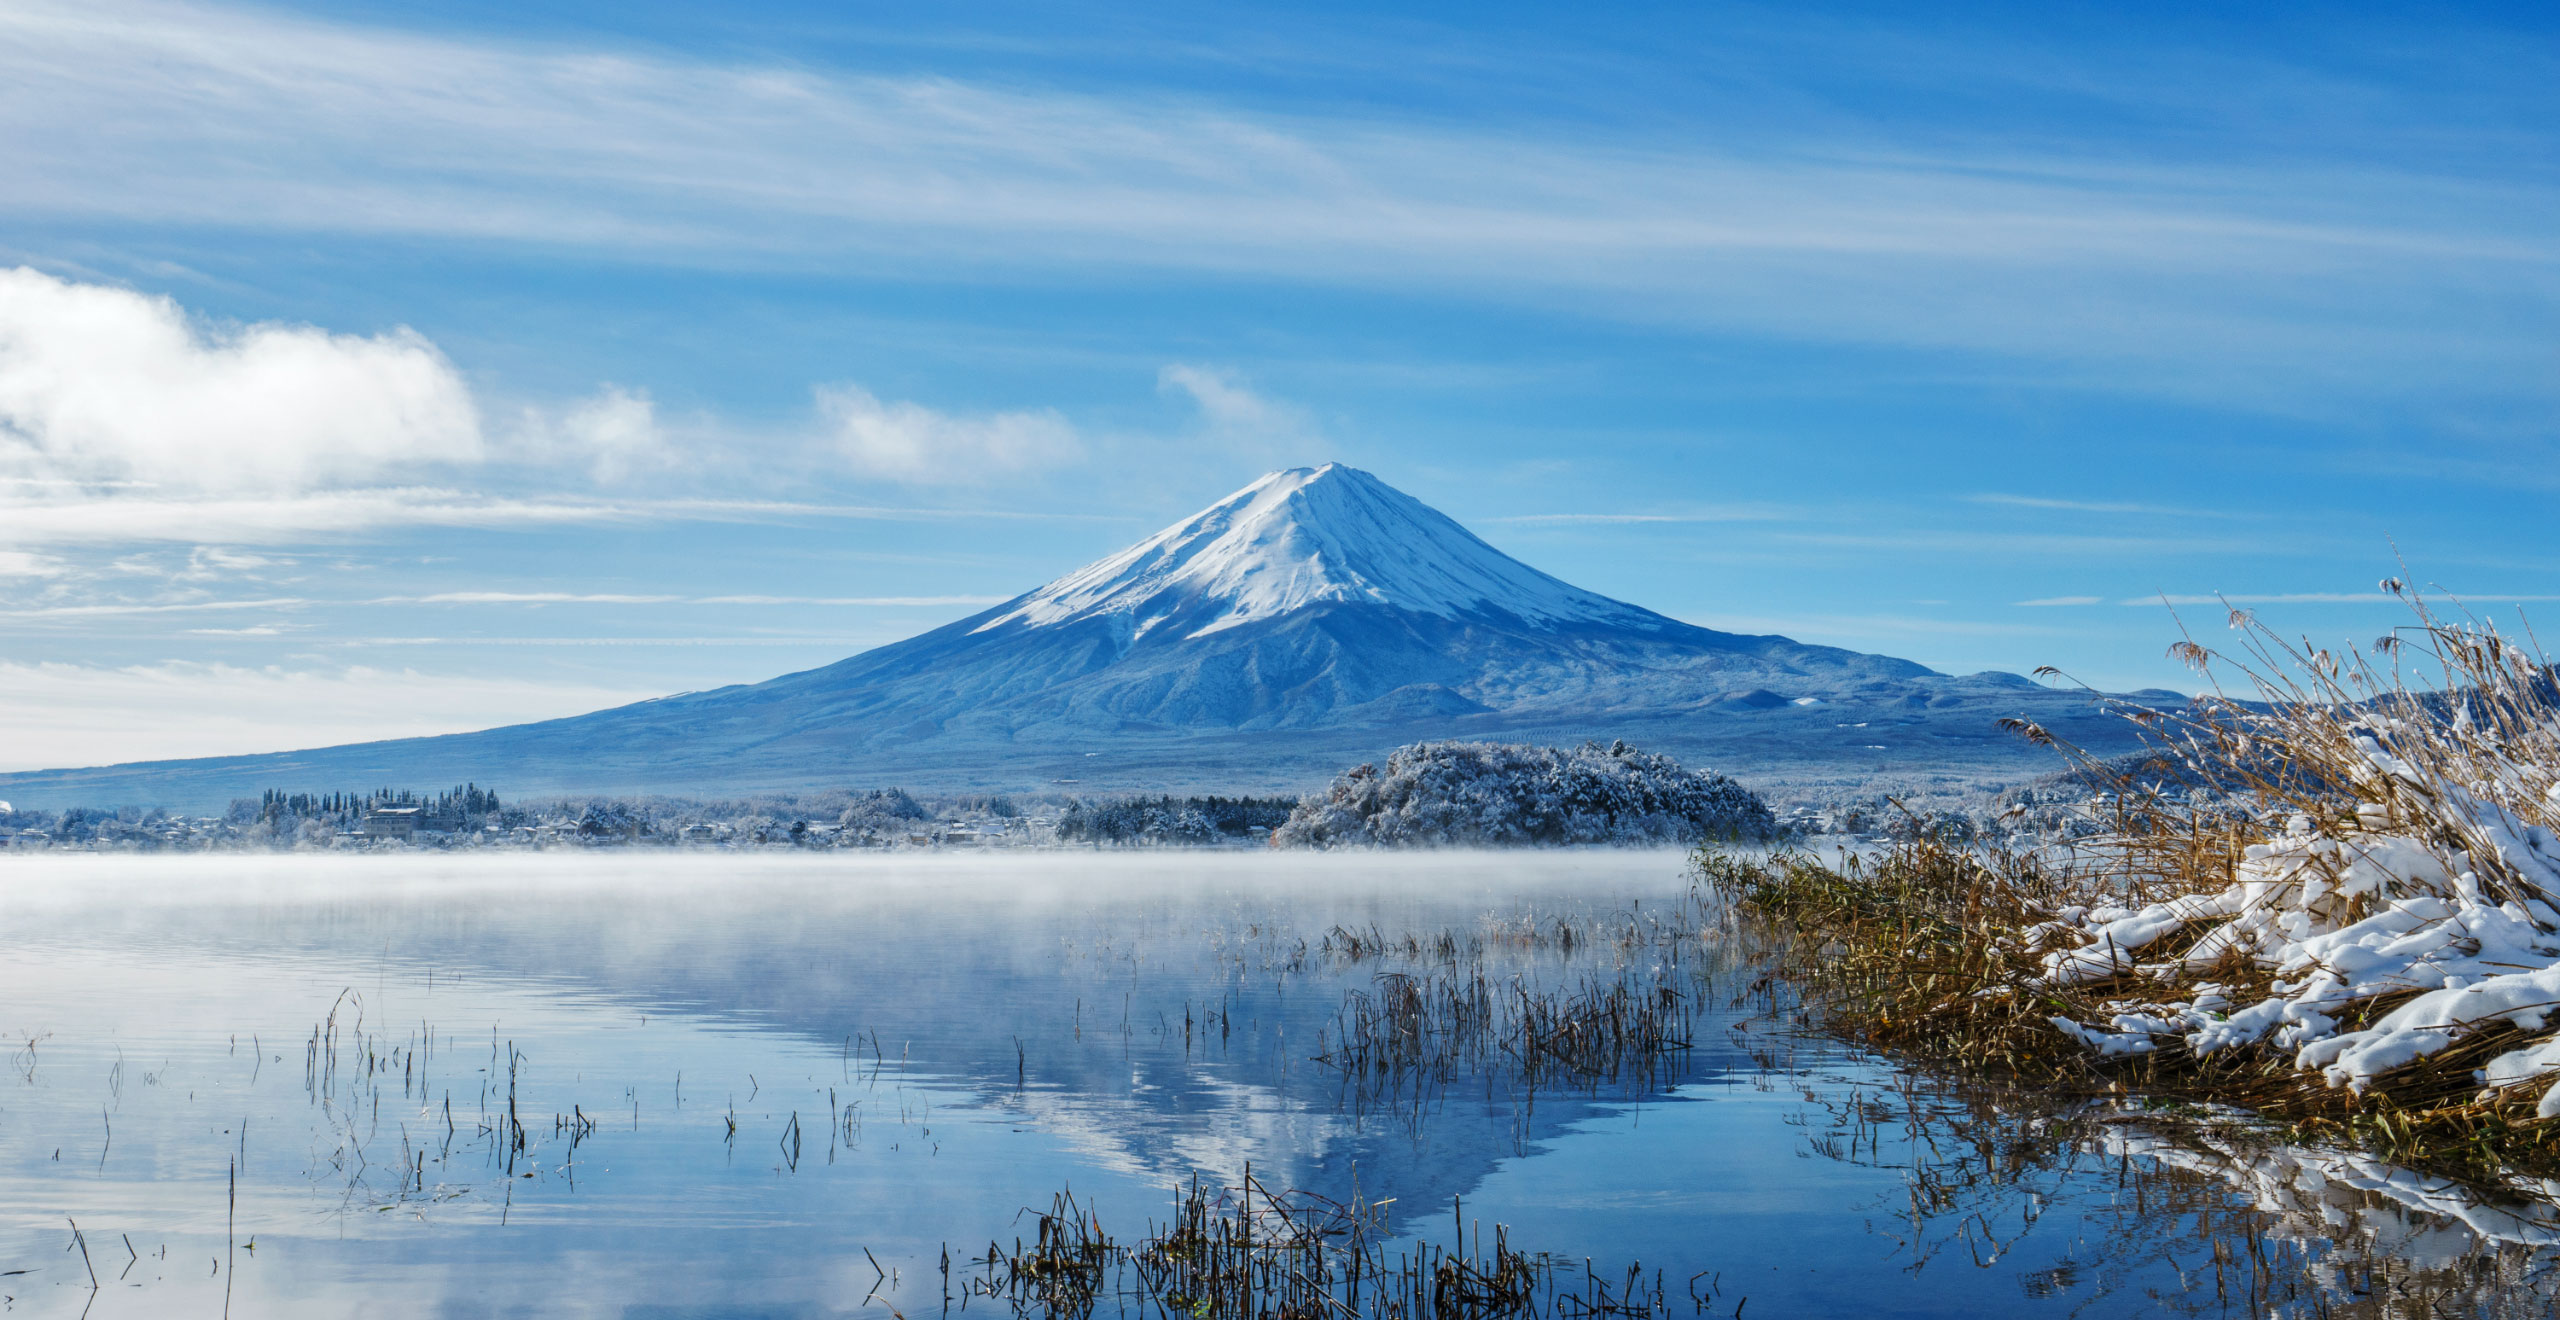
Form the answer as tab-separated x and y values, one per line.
1930	949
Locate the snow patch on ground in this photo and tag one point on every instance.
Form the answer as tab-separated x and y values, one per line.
2344	919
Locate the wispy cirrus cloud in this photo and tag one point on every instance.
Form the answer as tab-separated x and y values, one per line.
2325	598
110	609
713	643
1837	628
1242	419
207	563
283	519
1721	514
2083	544
71	714
2285	598
610	598
122	519
2175	271
2110	506
882	601
521	598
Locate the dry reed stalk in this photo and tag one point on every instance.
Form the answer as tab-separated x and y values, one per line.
1983	959
1251	1253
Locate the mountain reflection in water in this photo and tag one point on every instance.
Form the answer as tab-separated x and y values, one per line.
605	1085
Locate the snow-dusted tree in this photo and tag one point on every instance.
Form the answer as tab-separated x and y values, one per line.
882	810
1159	821
1463	794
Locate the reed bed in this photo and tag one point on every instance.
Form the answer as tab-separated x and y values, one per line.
1250	1253
1439	1026
2335	901
1666	932
1523	1002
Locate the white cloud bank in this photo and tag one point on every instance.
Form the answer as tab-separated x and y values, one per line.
118	519
614	435
106	385
125	419
105	389
72	715
912	443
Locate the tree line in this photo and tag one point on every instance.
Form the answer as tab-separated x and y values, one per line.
1170	820
465	803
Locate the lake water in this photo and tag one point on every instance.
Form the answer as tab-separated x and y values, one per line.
713	1085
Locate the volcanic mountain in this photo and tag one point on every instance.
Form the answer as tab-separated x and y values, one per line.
1315	616
1313	597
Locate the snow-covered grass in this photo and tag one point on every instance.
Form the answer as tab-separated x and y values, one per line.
2337	899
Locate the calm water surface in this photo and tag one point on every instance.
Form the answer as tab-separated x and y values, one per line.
796	1086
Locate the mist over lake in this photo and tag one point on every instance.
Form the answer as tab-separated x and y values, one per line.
740	1082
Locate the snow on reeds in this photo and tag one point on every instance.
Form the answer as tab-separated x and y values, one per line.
2337	897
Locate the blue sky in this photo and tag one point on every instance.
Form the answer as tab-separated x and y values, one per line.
388	368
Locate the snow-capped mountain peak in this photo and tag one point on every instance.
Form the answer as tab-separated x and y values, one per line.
1302	537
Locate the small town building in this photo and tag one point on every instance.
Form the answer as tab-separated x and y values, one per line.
392	822
405	823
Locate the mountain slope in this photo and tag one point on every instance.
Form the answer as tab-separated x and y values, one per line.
1316	613
1301	601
